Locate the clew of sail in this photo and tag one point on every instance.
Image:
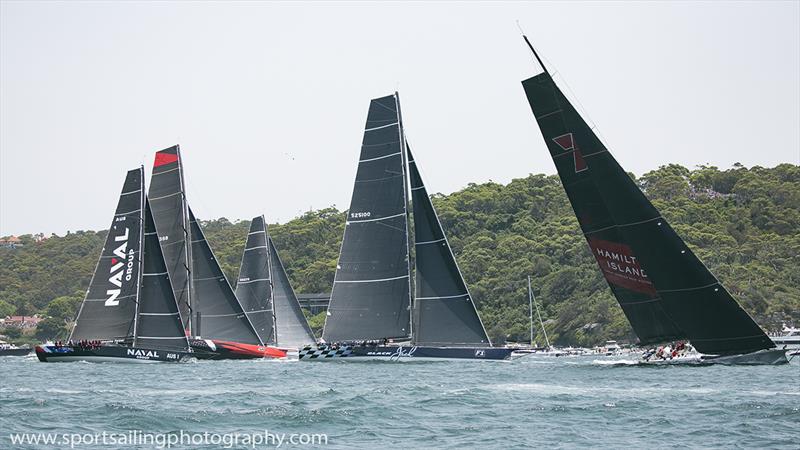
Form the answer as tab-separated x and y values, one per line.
108	311
445	314
664	289
371	293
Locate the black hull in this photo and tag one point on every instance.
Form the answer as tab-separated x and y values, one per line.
108	353
15	351
397	353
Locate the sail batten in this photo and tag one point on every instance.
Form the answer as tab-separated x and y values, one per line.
665	291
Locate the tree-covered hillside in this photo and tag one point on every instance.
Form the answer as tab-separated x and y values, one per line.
743	223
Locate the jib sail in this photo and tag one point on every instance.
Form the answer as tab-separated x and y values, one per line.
159	321
445	313
218	313
292	327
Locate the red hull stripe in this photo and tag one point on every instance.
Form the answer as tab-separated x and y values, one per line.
164	158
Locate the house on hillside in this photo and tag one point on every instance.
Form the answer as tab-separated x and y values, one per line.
21	322
10	242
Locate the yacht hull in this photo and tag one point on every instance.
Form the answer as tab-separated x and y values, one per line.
770	357
208	349
108	353
400	352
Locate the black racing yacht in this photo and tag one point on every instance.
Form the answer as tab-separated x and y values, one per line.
212	315
267	296
372	312
129	313
665	291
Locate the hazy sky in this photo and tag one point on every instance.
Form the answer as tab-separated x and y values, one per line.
268	100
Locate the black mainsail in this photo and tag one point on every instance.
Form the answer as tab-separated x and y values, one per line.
664	289
109	309
159	322
371	294
171	216
254	285
292	329
218	313
444	312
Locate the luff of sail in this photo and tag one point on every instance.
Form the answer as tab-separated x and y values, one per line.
109	309
371	294
664	289
159	323
221	316
170	213
292	329
254	285
445	314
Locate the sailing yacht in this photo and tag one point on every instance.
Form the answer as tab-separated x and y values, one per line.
372	312
130	313
266	295
212	316
665	291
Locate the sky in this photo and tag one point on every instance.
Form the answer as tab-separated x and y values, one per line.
268	100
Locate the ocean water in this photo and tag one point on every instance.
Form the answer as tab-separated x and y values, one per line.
531	402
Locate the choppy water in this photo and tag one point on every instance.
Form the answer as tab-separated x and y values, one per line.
532	402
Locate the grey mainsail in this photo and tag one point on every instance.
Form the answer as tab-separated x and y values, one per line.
293	330
254	285
218	313
170	213
445	314
109	309
371	294
158	321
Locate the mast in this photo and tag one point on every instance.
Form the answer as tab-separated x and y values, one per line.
533	300
406	201
142	200
270	248
530	308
